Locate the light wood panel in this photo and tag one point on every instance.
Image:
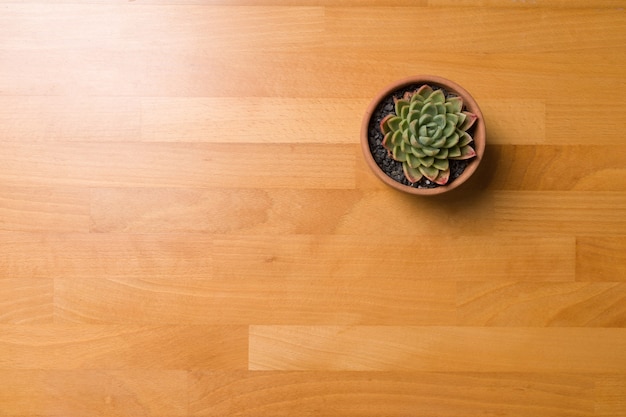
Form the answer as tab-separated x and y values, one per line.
281	300
478	30
188	227
26	301
46	118
314	74
601	258
271	393
610	397
542	305
94	392
43	208
83	255
109	347
176	165
437	349
106	347
577	213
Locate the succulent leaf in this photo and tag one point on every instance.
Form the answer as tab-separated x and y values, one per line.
443	177
396	138
399	105
465	139
430	109
430	151
454	152
441	164
404	113
469	121
425	140
411	174
440	120
426	161
387	140
454	105
426	131
412	160
424	91
438	97
443	154
438	143
417	152
429	172
451	140
466	152
416	105
400	156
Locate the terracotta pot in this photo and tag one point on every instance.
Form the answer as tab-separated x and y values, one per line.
469	104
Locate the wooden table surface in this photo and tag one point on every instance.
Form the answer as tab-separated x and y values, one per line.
188	227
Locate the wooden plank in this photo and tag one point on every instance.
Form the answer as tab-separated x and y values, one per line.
437	349
274	212
266	120
122	347
26	301
122	26
557	168
42	208
484	30
69	118
95	393
310	279
79	256
219	211
569	213
224	73
562	119
577	4
177	165
390	393
232	299
395	258
601	258
610	399
542	304
291	3
514	122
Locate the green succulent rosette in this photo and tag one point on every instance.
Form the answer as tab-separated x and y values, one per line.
427	130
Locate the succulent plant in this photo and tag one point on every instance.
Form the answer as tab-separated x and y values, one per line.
427	130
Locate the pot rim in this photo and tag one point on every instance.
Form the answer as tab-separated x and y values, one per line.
448	85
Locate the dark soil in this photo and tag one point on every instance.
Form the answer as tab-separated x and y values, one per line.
391	167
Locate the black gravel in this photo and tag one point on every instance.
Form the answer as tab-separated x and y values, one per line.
391	167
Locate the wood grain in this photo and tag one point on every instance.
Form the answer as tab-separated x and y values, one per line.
45	209
83	255
188	226
601	258
275	393
437	349
542	305
109	347
311	300
26	301
86	164
94	392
